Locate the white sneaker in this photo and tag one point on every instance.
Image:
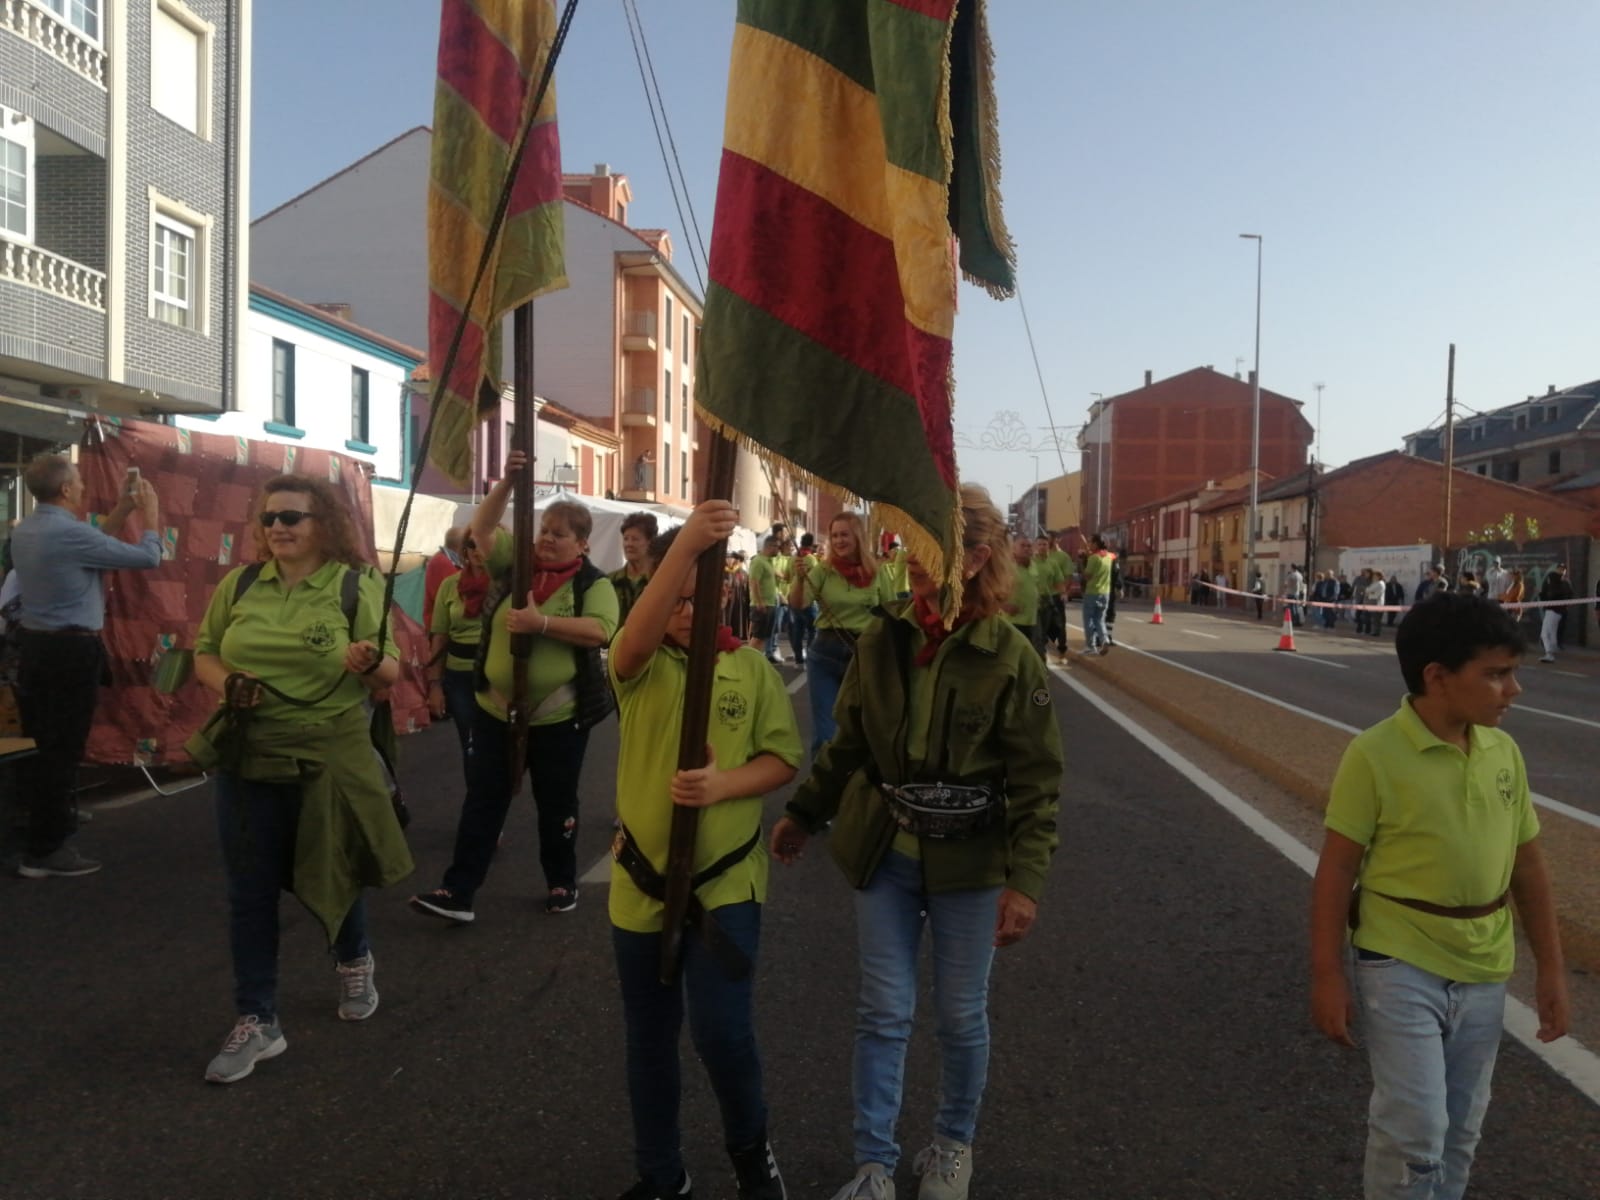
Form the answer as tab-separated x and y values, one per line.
248	1044
1548	658
358	995
872	1182
946	1170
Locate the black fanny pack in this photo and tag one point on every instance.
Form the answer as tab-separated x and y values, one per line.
948	811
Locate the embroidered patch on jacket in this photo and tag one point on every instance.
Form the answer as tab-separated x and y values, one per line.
1041	698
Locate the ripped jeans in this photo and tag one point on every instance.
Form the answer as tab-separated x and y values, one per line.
1432	1045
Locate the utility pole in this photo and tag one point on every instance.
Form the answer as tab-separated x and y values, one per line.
1255	424
1449	450
1099	460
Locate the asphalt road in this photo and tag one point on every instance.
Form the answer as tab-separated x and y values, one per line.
1150	1035
1356	681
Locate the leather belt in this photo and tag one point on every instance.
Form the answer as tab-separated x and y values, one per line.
1462	912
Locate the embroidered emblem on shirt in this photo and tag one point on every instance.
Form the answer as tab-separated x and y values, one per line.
1041	698
1502	783
732	708
319	636
972	720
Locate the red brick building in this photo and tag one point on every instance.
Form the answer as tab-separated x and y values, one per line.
1397	499
1177	433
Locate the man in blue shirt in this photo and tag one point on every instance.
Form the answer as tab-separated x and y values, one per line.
59	559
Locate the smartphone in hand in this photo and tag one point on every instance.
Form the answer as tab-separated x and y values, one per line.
130	485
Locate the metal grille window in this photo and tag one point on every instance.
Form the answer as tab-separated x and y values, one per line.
283	383
172	275
360	405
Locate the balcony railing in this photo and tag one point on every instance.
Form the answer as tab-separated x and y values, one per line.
51	273
641	400
641	323
56	38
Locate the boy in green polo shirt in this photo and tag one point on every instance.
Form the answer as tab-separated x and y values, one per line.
1430	814
754	749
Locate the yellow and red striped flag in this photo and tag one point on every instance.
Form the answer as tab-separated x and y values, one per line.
491	56
860	146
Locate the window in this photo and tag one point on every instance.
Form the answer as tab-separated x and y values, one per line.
683	474
1555	463
686	338
669	323
685	408
82	15
666	393
180	66
282	383
360	409
1521	421
16	175
172	277
1483	468
1551	413
666	473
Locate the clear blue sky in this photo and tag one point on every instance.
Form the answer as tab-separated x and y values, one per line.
1423	172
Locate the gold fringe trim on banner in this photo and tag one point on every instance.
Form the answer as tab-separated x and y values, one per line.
994	214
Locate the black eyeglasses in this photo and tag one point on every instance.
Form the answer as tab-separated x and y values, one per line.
683	602
289	516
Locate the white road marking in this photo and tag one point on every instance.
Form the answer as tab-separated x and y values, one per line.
599	873
1570	674
1582	816
1545	712
798	682
1215	637
1324	661
1569	1058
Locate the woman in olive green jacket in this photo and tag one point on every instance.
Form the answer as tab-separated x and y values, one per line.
942	785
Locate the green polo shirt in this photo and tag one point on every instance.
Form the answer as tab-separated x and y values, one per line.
450	621
1061	569
1023	608
293	638
553	663
1097	573
841	605
1438	825
898	573
750	715
764	581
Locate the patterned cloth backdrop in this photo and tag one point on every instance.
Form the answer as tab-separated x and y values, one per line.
206	482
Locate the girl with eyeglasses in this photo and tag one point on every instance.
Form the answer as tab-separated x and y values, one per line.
289	643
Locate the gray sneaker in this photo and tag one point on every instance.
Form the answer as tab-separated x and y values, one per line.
249	1042
872	1182
358	996
65	862
946	1170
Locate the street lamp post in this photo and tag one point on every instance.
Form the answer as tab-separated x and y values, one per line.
1255	427
1099	462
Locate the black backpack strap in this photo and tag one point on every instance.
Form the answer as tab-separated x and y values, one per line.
246	580
350	599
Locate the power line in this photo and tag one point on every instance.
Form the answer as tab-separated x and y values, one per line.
1055	435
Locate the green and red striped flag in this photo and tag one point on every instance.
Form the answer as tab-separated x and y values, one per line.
860	149
491	55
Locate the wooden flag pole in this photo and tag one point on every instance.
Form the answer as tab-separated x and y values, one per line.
723	457
522	527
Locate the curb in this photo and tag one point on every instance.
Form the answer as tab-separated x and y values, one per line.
1305	773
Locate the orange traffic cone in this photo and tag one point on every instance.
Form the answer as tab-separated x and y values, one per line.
1156	620
1286	638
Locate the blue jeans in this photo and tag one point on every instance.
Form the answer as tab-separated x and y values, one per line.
802	630
1432	1044
721	1025
1094	620
461	708
825	667
780	622
889	920
554	763
257	824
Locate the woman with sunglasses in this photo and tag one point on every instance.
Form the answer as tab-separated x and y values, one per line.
941	785
570	613
453	643
290	645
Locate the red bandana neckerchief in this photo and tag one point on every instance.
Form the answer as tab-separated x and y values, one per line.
932	622
472	586
726	642
854	572
547	580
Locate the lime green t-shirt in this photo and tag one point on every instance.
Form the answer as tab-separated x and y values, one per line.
628	588
1097	574
1061	568
1438	825
764	581
841	605
451	622
897	572
750	715
1023	607
294	639
553	663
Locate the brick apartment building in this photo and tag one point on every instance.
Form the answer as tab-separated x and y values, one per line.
124	144
1177	433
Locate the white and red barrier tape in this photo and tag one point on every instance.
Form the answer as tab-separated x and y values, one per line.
1351	606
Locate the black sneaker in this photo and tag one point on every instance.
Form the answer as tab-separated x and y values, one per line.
757	1172
649	1191
561	900
442	902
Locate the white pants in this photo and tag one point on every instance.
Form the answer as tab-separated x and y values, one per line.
1547	631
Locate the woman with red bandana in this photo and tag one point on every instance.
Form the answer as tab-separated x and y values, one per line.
570	613
941	785
453	643
847	586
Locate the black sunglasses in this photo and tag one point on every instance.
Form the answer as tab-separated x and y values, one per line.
289	516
